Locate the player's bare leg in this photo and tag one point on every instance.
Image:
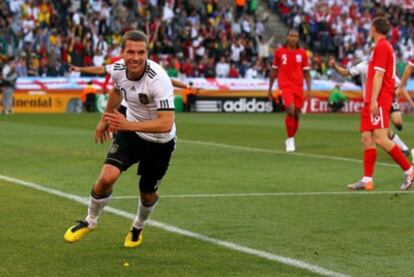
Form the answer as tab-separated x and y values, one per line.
381	138
99	198
397	121
370	156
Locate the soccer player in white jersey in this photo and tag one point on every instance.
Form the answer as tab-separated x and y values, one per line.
146	135
360	69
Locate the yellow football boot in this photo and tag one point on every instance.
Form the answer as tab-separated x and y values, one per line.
134	237
77	232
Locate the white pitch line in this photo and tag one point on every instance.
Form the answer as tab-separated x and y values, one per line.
270	151
183	232
271	194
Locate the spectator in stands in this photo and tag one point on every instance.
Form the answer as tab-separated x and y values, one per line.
240	7
222	68
263	47
81	32
234	72
236	50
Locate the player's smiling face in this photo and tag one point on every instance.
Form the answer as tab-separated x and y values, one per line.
135	54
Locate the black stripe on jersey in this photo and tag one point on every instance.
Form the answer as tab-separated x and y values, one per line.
119	67
151	73
164	104
165	110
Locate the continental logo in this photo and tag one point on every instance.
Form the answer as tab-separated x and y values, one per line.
38	102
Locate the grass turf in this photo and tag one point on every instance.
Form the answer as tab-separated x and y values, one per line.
356	234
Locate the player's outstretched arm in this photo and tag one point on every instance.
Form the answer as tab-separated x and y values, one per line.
178	84
102	131
342	71
407	96
96	70
162	124
406	75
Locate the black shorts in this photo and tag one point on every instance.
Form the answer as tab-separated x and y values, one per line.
154	158
395	107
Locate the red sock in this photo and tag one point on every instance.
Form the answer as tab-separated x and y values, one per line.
370	156
399	158
295	126
290	125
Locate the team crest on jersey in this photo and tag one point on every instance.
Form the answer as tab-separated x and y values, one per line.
375	120
113	149
143	98
298	58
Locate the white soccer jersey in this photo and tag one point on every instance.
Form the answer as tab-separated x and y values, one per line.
361	69
109	69
143	98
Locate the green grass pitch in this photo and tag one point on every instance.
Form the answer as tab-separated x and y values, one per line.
229	180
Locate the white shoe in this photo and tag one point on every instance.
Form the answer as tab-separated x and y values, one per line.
290	145
408	181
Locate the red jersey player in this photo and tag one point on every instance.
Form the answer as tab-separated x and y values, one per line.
290	66
377	105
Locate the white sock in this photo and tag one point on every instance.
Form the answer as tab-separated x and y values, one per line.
142	215
95	209
409	171
396	139
366	179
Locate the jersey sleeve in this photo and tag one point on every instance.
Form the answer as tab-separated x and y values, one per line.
109	68
411	62
305	61
358	69
397	81
116	70
381	56
276	60
163	93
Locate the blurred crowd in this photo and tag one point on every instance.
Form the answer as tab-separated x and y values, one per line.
42	37
340	28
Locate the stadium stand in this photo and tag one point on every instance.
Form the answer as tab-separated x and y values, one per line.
340	28
45	36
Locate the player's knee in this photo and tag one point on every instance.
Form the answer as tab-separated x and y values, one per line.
148	184
107	180
398	126
382	141
149	199
290	110
367	141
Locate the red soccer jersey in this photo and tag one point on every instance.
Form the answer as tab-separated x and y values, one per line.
411	62
290	65
382	59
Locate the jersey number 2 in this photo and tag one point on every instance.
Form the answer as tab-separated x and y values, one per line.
284	59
